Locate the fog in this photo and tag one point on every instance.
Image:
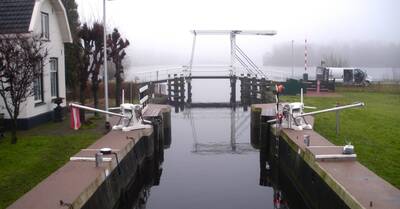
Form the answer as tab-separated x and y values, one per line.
356	54
159	30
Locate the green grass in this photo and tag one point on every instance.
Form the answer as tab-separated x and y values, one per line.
38	153
373	130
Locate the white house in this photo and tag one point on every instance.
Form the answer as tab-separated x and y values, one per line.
48	19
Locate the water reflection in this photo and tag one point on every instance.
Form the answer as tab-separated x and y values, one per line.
147	176
239	122
211	164
271	175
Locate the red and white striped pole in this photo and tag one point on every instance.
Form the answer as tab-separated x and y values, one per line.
305	55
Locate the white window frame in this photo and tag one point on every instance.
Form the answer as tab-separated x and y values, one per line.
45	24
38	94
54	88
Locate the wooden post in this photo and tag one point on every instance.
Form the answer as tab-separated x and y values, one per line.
182	92
253	91
241	88
189	88
169	89
176	93
263	89
246	91
233	92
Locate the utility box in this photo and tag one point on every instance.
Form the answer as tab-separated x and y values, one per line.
305	76
293	87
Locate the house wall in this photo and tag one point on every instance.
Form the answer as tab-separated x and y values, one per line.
32	112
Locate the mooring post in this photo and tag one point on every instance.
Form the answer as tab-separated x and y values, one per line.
233	91
263	89
169	89
253	96
182	92
176	93
189	88
241	89
246	91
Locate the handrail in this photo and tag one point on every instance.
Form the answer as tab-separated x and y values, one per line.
248	59
244	65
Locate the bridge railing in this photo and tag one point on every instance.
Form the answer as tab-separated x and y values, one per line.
205	70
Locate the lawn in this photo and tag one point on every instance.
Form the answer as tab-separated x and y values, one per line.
373	130
38	153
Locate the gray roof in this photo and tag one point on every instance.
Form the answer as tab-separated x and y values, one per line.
15	15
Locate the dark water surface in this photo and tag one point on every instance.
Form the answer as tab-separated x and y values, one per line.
207	168
215	176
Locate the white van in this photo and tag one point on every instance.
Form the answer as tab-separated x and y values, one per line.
344	75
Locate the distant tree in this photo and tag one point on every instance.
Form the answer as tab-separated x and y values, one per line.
72	49
116	51
334	60
71	9
21	63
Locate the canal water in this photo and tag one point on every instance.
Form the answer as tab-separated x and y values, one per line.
212	164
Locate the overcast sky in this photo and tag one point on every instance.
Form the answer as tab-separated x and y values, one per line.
159	29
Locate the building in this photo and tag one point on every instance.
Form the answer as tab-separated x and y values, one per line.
48	19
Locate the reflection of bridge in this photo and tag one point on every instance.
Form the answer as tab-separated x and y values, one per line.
254	83
238	125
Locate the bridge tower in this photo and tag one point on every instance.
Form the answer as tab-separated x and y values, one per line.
238	57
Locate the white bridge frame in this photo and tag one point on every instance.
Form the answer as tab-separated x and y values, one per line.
237	56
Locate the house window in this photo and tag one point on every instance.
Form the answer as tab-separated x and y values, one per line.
45	26
38	86
54	76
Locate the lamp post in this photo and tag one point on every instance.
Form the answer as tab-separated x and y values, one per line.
107	124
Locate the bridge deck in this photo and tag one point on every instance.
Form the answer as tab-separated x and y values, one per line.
205	77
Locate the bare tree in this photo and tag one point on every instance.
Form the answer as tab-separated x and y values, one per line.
117	45
90	58
97	60
21	62
83	55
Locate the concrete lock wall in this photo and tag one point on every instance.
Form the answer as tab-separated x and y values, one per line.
117	187
322	174
313	190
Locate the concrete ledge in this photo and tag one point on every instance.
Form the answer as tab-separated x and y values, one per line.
357	186
77	181
329	153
